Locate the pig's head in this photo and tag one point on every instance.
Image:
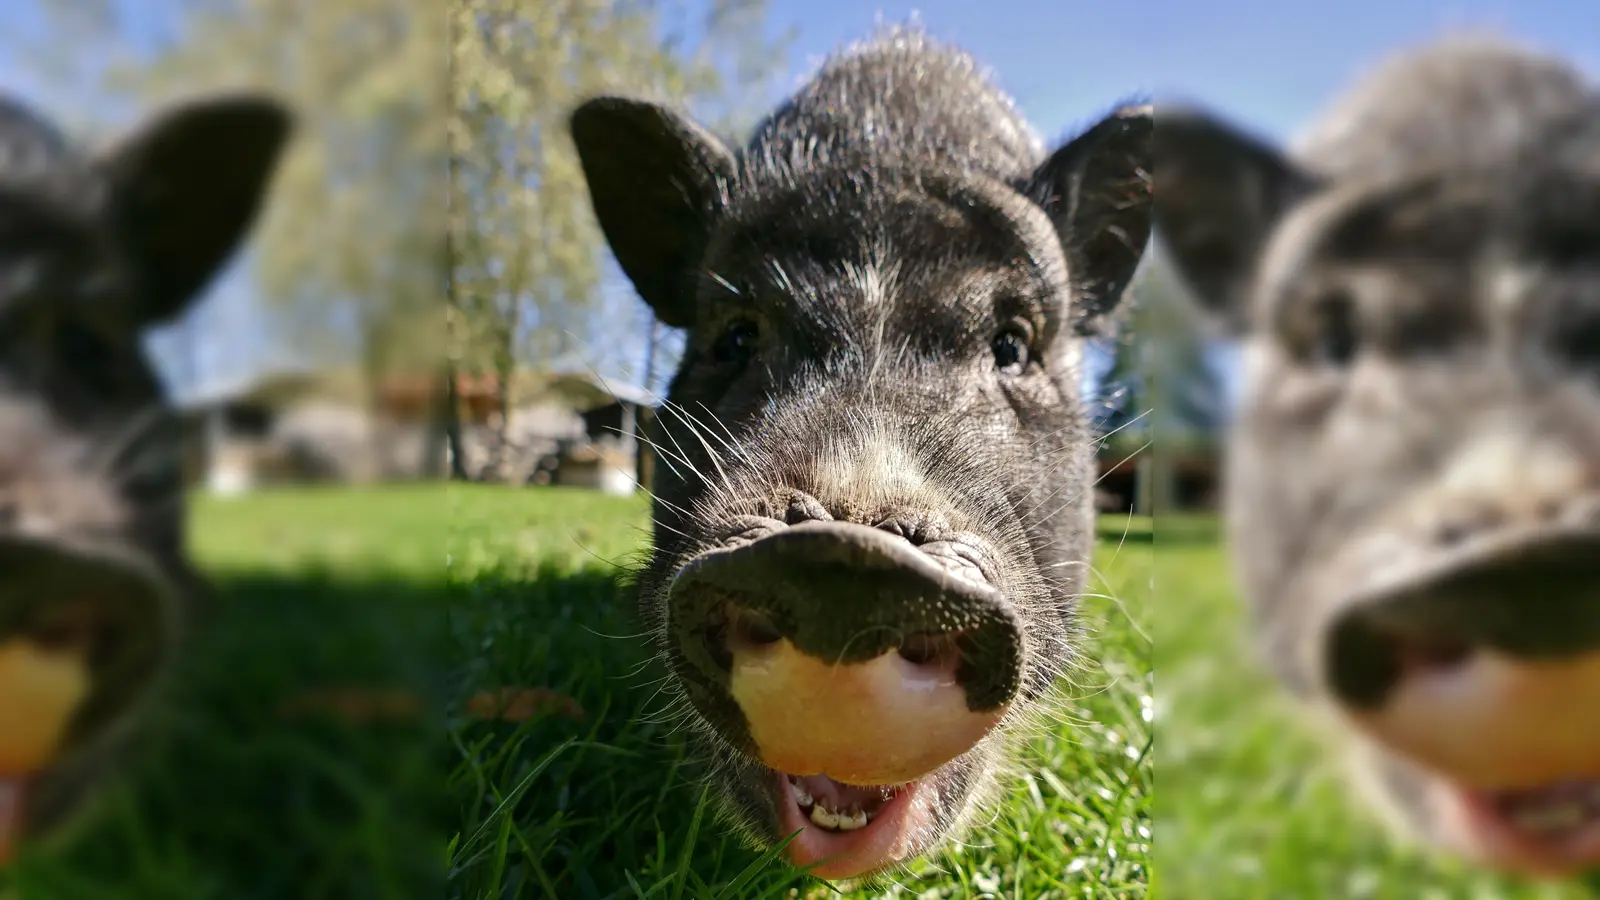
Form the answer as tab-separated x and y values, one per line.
1414	481
94	589
872	515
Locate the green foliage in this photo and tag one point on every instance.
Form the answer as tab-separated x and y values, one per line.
346	254
432	140
233	797
527	253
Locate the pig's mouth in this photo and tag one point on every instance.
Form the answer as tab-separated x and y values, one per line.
848	831
1552	830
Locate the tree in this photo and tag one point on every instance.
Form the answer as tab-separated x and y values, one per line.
527	254
416	118
1163	387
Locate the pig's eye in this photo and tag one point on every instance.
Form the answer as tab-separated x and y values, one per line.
1337	335
1010	352
81	346
737	344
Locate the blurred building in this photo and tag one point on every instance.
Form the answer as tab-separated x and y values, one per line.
297	427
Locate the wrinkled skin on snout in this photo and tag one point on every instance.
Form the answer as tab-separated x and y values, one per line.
1414	473
871	516
95	590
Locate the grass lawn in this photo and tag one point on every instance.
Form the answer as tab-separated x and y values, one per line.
606	805
1248	807
233	798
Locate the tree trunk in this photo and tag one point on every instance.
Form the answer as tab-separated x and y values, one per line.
452	422
500	458
372	388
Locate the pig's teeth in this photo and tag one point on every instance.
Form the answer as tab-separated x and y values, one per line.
838	821
1559	816
823	816
801	795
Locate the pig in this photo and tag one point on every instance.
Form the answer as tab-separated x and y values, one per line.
1413	474
872	514
96	593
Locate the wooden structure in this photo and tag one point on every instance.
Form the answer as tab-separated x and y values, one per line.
1195	477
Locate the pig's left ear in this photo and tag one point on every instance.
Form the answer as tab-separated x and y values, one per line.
1097	191
184	190
655	179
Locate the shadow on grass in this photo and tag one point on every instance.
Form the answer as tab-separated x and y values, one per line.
599	804
230	795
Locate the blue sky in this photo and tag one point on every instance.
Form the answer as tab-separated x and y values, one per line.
1268	63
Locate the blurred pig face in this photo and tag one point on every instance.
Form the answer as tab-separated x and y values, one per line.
94	588
1415	473
872	516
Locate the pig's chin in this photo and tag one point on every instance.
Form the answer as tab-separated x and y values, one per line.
1545	830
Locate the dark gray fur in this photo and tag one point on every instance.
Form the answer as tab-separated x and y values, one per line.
1416	278
879	231
95	249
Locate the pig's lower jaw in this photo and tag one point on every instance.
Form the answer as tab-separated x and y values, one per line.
846	831
11	806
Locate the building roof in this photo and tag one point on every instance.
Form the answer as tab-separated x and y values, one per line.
271	386
595	390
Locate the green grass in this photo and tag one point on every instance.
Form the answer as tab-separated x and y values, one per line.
505	587
229	798
496	587
609	806
1250	804
492	587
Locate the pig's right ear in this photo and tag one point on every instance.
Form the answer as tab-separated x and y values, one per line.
656	180
1218	194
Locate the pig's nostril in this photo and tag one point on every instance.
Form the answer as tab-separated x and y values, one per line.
1550	510
924	649
1416	655
1371	658
1462	528
752	629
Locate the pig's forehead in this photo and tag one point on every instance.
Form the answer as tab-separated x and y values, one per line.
1482	241
47	195
933	224
1549	185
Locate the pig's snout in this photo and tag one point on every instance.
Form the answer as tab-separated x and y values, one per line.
849	651
1484	667
81	634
